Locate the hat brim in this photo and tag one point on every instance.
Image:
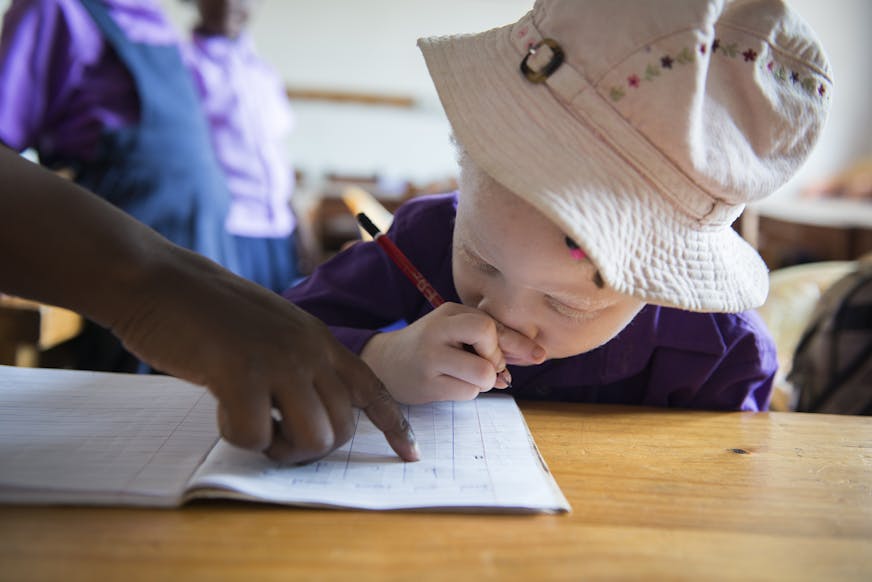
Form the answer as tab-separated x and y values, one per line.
564	165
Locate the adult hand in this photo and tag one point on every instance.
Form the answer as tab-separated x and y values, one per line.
284	385
187	316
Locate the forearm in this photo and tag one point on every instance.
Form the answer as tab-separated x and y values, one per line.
190	318
65	246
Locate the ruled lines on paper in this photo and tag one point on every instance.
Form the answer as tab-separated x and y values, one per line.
98	436
476	454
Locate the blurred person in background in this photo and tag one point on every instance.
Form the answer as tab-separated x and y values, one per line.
99	89
250	118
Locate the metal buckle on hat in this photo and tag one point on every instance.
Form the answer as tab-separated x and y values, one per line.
556	60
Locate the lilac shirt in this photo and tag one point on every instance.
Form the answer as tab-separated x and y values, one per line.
60	82
250	118
664	357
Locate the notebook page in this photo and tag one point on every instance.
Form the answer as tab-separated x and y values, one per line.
475	455
87	437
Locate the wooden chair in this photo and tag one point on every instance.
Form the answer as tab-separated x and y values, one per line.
31	333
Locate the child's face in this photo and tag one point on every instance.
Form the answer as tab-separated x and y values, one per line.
510	261
224	17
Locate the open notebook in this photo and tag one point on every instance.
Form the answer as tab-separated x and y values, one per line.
72	437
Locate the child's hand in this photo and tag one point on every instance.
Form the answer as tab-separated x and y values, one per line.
427	361
518	349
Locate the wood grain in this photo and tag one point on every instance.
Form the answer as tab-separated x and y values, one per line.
656	494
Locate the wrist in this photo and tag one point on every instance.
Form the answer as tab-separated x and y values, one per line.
153	274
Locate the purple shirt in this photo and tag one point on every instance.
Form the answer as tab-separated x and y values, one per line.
664	357
250	118
60	82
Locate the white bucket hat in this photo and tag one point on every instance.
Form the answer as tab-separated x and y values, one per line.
642	129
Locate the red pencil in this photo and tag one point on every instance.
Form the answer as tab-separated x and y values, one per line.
402	261
414	275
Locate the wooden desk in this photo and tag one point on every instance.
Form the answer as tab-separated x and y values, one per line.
656	495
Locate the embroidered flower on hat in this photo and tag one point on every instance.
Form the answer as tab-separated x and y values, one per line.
685	56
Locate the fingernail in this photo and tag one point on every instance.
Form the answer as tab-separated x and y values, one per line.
538	353
506	377
416	450
410	436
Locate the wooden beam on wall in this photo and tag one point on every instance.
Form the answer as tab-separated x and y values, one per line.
355	97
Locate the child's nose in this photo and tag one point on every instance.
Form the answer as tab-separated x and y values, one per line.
512	314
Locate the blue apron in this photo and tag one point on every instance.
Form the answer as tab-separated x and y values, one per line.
163	171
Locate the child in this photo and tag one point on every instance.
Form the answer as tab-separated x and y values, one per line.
605	149
98	88
246	106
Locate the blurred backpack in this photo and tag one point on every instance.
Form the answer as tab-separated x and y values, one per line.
832	364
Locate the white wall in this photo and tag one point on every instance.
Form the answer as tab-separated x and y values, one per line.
369	45
842	26
366	46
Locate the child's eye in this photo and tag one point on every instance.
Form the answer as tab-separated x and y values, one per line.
485	268
567	311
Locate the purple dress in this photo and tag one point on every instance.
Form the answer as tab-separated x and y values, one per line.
61	83
98	87
250	119
664	357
